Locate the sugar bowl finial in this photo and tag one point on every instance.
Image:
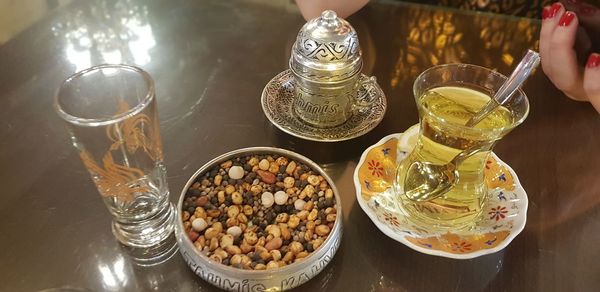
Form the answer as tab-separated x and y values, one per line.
329	17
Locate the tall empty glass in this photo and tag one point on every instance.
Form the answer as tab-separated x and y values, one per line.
112	120
447	96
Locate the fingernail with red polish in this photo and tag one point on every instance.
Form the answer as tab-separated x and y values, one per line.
593	60
555	8
546	12
566	19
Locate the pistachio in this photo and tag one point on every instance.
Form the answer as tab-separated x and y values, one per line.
200	213
317	242
245	247
233	211
218	180
233	249
214	243
273	168
242	218
250	238
322	230
331	217
275	254
308	191
293	221
302	215
289	256
285	232
218	226
213	213
247	210
226	164
221	253
236	259
216	258
281	161
288	182
296	247
211	233
313	215
274	230
290	168
301	255
282	217
229	189
231	222
264	164
272	265
328	193
185	216
253	161
237	198
313	180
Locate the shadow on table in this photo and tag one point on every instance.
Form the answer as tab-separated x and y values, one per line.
324	153
396	265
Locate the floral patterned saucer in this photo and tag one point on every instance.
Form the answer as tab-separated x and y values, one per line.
502	220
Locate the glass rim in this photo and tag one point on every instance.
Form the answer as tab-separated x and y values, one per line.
110	120
491	72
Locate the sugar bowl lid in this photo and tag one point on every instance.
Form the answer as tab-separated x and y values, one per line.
326	50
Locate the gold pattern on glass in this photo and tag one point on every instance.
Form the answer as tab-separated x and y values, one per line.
114	179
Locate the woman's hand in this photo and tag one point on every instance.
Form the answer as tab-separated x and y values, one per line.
559	58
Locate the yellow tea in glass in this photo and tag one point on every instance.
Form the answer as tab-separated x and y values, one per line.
447	96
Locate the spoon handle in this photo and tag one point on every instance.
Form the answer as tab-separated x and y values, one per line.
529	62
472	150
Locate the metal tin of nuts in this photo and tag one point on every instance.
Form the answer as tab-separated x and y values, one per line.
326	63
284	278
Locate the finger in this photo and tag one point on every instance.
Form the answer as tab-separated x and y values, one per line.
550	18
591	80
563	60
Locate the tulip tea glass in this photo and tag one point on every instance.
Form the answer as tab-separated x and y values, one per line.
447	96
112	120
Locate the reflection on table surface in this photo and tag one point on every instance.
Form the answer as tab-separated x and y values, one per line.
210	61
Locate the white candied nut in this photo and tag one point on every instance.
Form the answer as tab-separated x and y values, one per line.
299	204
234	231
199	224
281	198
236	172
267	199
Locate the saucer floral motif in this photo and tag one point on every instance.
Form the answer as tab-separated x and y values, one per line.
502	220
277	101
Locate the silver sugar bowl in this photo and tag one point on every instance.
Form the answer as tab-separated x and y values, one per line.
326	63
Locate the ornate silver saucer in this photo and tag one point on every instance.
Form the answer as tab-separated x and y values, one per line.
278	97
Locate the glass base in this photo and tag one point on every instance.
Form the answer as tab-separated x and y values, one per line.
147	232
154	255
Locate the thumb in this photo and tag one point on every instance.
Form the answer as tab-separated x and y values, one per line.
591	80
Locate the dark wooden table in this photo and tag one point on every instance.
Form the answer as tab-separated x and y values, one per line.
210	61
